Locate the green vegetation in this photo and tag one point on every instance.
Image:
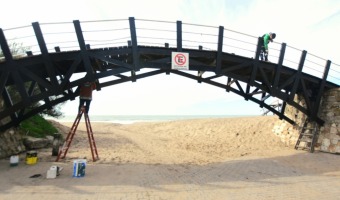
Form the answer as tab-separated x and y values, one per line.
37	126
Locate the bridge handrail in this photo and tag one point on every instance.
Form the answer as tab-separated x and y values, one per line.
116	33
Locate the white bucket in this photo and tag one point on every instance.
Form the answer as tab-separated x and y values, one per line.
14	160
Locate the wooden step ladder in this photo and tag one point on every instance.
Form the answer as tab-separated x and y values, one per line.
69	138
308	136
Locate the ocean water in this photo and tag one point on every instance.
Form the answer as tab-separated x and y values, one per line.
129	119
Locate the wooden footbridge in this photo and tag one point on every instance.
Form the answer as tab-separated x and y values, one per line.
41	62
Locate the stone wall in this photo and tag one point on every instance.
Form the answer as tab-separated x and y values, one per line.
329	135
330	132
11	143
286	131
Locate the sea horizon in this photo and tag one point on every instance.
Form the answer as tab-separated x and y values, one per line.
130	119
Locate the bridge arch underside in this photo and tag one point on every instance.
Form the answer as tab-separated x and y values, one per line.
47	79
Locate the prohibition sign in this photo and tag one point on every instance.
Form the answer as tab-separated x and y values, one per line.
180	59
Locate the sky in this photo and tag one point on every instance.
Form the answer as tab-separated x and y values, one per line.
312	25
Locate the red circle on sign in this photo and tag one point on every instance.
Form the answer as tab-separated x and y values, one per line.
180	59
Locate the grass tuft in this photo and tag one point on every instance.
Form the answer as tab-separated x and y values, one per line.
37	126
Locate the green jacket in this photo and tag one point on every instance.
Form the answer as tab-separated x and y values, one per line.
266	40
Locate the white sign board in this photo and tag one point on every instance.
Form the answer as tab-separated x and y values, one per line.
180	61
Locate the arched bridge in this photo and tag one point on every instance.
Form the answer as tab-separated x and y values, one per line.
41	63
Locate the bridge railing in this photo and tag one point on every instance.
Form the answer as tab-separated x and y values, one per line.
117	33
20	40
105	34
59	36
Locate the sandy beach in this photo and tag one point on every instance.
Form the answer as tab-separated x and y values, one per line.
186	159
198	141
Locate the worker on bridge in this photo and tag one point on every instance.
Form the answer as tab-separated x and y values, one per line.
85	96
266	38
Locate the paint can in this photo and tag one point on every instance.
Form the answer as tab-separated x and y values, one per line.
14	160
79	166
31	157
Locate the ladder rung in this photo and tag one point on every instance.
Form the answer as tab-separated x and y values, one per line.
308	129
306	139
308	134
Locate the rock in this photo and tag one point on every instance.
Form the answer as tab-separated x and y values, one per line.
36	143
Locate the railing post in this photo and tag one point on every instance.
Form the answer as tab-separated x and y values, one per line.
8	56
179	36
4	46
57	49
297	76
278	68
83	50
44	53
133	33
258	48
321	89
256	62
219	50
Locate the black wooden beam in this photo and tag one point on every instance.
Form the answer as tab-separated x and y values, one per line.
247	92
236	67
20	84
135	54
278	68
3	80
112	61
298	76
70	71
83	49
283	109
288	81
36	78
8	102
9	58
229	82
44	52
256	62
307	94
219	50
4	46
321	89
179	36
265	80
